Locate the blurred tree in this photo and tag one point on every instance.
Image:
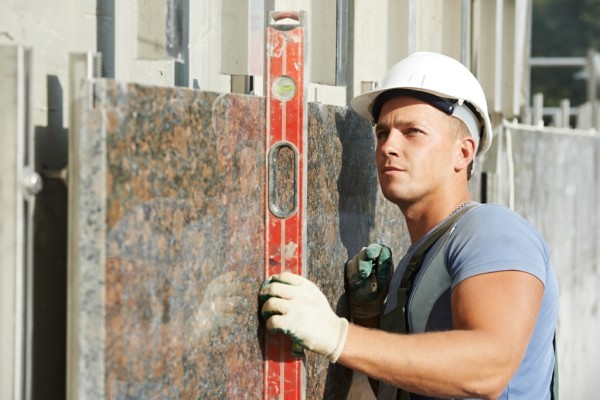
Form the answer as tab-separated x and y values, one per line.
563	28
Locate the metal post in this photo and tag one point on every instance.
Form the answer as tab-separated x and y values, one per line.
18	187
565	111
592	87
498	56
538	109
412	26
465	33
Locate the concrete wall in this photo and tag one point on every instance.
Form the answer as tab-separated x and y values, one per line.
551	177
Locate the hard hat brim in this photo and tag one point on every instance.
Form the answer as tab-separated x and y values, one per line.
362	105
436	74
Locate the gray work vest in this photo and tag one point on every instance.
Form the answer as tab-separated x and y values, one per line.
422	284
418	293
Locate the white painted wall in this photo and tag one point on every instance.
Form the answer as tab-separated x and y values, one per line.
53	29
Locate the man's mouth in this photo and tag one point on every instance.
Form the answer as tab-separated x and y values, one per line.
391	169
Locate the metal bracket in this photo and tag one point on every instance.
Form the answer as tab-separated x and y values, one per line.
31	183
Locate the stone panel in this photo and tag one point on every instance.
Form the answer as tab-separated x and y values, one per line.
176	240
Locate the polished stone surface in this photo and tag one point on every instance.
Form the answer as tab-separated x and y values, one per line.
346	211
176	240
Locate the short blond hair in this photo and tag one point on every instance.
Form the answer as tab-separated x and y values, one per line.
459	130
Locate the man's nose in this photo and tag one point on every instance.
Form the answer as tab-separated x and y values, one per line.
390	145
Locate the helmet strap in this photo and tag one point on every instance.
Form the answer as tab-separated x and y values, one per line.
466	115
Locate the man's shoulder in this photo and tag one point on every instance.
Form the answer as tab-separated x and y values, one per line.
495	222
492	237
492	209
494	214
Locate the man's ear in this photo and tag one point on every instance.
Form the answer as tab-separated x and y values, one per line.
465	154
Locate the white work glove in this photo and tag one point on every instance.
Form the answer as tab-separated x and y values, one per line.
296	307
368	277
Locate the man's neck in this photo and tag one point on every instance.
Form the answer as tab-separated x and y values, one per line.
422	216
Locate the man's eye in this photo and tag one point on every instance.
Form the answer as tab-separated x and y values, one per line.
382	134
412	131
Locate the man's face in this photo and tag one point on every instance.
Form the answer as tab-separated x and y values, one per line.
415	151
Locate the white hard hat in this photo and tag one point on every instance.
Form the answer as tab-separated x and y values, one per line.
439	80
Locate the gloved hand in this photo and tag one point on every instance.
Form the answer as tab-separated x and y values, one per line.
368	277
296	307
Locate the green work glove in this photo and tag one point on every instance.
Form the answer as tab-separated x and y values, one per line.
368	277
296	307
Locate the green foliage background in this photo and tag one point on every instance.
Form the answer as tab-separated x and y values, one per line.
563	28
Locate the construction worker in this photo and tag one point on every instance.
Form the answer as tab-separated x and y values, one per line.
471	309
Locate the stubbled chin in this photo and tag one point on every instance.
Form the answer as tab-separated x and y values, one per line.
394	196
398	193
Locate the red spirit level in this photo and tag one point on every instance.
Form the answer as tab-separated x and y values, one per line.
285	227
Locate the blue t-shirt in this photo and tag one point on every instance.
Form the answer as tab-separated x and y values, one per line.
491	238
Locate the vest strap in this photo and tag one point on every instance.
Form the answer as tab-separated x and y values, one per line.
417	258
396	321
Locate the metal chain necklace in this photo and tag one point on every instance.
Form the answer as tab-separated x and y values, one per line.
460	207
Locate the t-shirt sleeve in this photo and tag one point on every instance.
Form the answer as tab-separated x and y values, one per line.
492	238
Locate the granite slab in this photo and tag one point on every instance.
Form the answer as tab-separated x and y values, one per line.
175	235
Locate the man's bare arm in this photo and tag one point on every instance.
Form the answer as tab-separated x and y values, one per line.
494	316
